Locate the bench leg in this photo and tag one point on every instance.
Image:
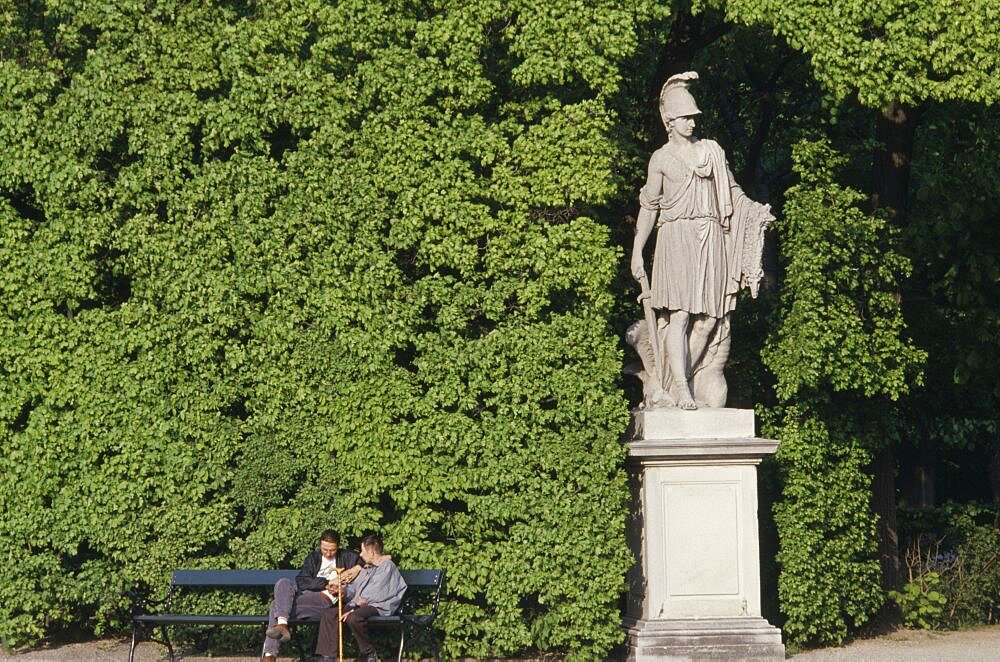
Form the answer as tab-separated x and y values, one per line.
135	640
166	640
402	637
298	643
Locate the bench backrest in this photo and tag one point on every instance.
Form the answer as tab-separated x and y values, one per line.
248	578
423	591
423	586
427	578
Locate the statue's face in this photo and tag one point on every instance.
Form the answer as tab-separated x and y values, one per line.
683	126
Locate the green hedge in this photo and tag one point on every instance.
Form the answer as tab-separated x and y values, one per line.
273	267
840	357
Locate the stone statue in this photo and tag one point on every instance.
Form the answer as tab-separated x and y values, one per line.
709	240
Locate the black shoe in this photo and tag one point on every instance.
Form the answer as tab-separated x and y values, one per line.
326	658
370	656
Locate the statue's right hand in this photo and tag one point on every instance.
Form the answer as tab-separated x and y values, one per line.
638	269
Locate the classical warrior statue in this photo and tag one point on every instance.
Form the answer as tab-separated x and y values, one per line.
709	240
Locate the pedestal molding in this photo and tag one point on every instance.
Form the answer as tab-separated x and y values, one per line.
746	638
706	450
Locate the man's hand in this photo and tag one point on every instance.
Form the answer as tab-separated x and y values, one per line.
333	586
349	575
361	602
343	617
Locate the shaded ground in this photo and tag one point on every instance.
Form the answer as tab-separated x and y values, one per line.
114	650
980	645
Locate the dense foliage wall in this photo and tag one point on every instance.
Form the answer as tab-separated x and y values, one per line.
271	267
274	267
840	359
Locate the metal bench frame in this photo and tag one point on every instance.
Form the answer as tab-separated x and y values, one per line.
418	610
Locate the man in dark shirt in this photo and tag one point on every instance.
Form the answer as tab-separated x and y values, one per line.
313	592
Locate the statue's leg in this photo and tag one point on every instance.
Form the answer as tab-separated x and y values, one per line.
701	332
708	382
663	397
678	358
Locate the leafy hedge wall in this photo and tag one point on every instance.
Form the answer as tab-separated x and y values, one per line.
840	357
269	267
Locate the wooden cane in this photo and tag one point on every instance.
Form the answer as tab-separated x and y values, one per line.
340	623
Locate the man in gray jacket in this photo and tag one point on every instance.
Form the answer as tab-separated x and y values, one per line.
378	589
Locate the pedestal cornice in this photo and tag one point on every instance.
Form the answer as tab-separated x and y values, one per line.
650	451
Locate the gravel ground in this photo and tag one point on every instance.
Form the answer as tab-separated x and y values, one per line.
980	645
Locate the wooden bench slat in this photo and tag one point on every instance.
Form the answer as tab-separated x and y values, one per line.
418	578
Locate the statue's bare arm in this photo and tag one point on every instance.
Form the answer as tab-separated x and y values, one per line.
647	217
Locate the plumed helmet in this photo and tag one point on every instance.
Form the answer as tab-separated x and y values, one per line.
675	100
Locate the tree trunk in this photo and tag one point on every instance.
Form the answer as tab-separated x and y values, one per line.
884	504
925	475
918	475
689	34
994	469
895	128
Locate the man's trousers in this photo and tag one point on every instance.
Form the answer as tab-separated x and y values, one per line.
288	603
356	622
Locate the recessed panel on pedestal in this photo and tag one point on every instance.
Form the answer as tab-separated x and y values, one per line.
702	533
697	542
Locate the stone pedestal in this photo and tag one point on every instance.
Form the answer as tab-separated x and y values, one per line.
695	591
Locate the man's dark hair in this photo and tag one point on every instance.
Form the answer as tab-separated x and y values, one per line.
330	536
373	541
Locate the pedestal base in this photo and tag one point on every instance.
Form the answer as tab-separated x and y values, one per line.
745	638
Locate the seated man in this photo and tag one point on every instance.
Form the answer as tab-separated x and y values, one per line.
378	589
313	592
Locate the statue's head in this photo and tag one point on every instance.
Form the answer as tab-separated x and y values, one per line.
675	100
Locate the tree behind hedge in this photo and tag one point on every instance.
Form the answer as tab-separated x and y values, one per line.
272	269
894	61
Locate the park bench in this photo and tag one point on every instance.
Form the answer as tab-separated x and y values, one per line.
417	611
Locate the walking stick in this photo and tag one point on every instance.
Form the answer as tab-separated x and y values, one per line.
340	623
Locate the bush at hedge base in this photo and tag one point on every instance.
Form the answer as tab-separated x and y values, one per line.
840	357
954	550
